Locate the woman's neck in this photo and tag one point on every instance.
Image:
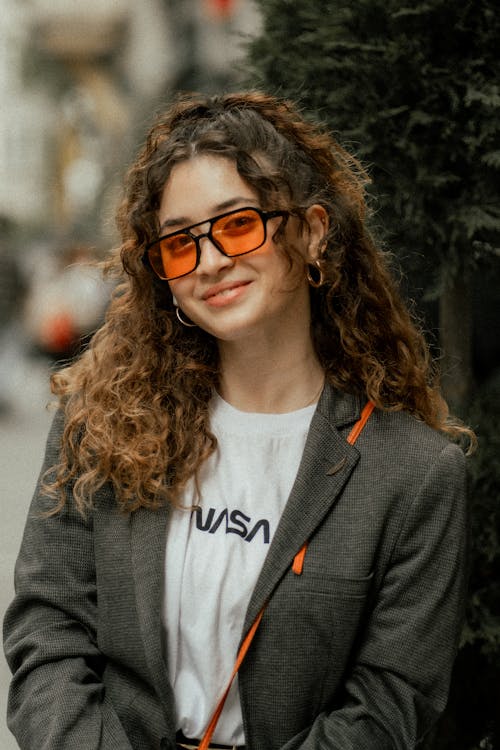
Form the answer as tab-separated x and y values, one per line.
276	381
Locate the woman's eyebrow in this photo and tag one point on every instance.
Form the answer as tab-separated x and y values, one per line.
184	221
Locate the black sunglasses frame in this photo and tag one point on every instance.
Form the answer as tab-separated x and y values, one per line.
264	215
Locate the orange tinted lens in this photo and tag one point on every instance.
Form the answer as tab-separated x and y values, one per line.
173	256
240	232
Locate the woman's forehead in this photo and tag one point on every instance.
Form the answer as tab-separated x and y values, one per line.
200	187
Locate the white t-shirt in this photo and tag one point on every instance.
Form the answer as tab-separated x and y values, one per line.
215	553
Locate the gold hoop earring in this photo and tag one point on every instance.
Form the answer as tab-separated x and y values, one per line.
315	275
186	322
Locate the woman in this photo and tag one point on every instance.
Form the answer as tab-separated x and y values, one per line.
203	474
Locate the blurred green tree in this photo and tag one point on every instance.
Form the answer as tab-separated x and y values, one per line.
415	92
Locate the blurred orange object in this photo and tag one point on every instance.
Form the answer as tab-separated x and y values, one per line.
58	333
221	9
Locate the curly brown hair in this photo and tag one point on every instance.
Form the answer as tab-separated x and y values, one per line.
136	402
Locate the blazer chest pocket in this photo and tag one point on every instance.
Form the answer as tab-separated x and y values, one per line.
334	586
310	627
322	607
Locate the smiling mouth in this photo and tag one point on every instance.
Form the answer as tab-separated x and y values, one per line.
224	295
226	292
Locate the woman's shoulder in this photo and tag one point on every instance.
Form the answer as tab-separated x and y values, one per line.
408	446
402	427
391	438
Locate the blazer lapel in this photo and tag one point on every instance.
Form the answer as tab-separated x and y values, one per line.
326	465
148	534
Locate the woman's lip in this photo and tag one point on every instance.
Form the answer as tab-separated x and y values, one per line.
224	294
224	287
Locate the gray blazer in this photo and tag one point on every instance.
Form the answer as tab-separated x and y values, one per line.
353	654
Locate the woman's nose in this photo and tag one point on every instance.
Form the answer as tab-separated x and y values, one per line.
211	258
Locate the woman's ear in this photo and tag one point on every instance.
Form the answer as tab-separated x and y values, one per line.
317	220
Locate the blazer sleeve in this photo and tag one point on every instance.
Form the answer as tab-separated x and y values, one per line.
400	679
56	699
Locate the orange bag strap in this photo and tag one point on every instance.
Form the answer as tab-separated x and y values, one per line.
297	566
205	742
298	560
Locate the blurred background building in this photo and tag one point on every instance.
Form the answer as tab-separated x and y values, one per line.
80	81
79	85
